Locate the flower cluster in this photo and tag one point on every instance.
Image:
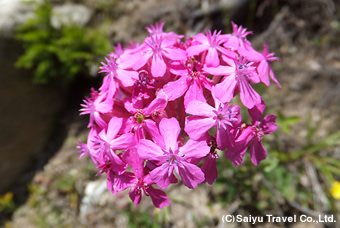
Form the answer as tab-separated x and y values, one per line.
163	110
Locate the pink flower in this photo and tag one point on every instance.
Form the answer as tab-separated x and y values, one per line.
252	135
142	184
209	167
238	75
83	149
107	142
115	74
144	87
96	105
158	29
116	183
264	67
155	48
237	39
262	63
211	46
118	51
192	84
108	139
224	117
164	108
169	156
139	122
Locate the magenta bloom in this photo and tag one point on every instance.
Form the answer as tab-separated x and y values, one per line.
170	157
238	39
116	183
96	105
191	83
142	184
107	142
144	86
83	149
264	67
211	43
155	29
111	68
237	76
209	167
223	117
164	110
262	62
158	50
140	121
252	135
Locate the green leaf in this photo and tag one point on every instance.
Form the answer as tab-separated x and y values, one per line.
270	164
32	55
42	73
65	52
284	123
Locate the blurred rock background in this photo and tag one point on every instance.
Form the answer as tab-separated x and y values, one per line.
44	184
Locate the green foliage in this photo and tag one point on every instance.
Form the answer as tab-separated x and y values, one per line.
6	203
59	54
284	123
138	218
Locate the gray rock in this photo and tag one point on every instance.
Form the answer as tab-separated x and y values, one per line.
13	13
68	14
93	195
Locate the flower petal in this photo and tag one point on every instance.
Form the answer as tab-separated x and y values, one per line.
152	129
199	108
161	176
126	77
209	169
268	124
196	127
194	93
124	141
225	90
224	138
176	89
132	158
113	128
158	66
170	129
158	197
149	150
256	112
220	70
194	149
235	153
135	196
197	49
212	59
174	53
257	152
191	175
248	95
117	183
159	102
263	70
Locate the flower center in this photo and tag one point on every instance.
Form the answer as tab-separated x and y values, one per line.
139	117
173	157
